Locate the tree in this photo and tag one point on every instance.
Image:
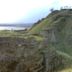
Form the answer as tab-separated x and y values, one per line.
51	9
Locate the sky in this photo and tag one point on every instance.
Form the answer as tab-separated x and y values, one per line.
28	11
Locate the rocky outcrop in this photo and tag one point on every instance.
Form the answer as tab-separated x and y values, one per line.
30	56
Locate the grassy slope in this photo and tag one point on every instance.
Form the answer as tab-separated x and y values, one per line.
47	22
7	33
65	28
62	20
64	46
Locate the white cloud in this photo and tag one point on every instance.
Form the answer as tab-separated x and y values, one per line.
65	2
13	10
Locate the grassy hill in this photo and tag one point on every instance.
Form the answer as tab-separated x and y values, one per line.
56	17
46	47
57	28
59	23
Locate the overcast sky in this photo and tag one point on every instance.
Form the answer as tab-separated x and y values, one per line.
28	11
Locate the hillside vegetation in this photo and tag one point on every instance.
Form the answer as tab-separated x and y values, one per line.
57	25
46	47
57	29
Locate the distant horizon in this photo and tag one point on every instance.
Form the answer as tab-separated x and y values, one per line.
15	26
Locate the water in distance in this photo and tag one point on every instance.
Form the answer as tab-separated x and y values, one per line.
14	26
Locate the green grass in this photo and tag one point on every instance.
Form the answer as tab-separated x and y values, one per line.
66	70
10	33
62	23
48	22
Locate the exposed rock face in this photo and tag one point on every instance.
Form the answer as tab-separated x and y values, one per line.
27	57
50	35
